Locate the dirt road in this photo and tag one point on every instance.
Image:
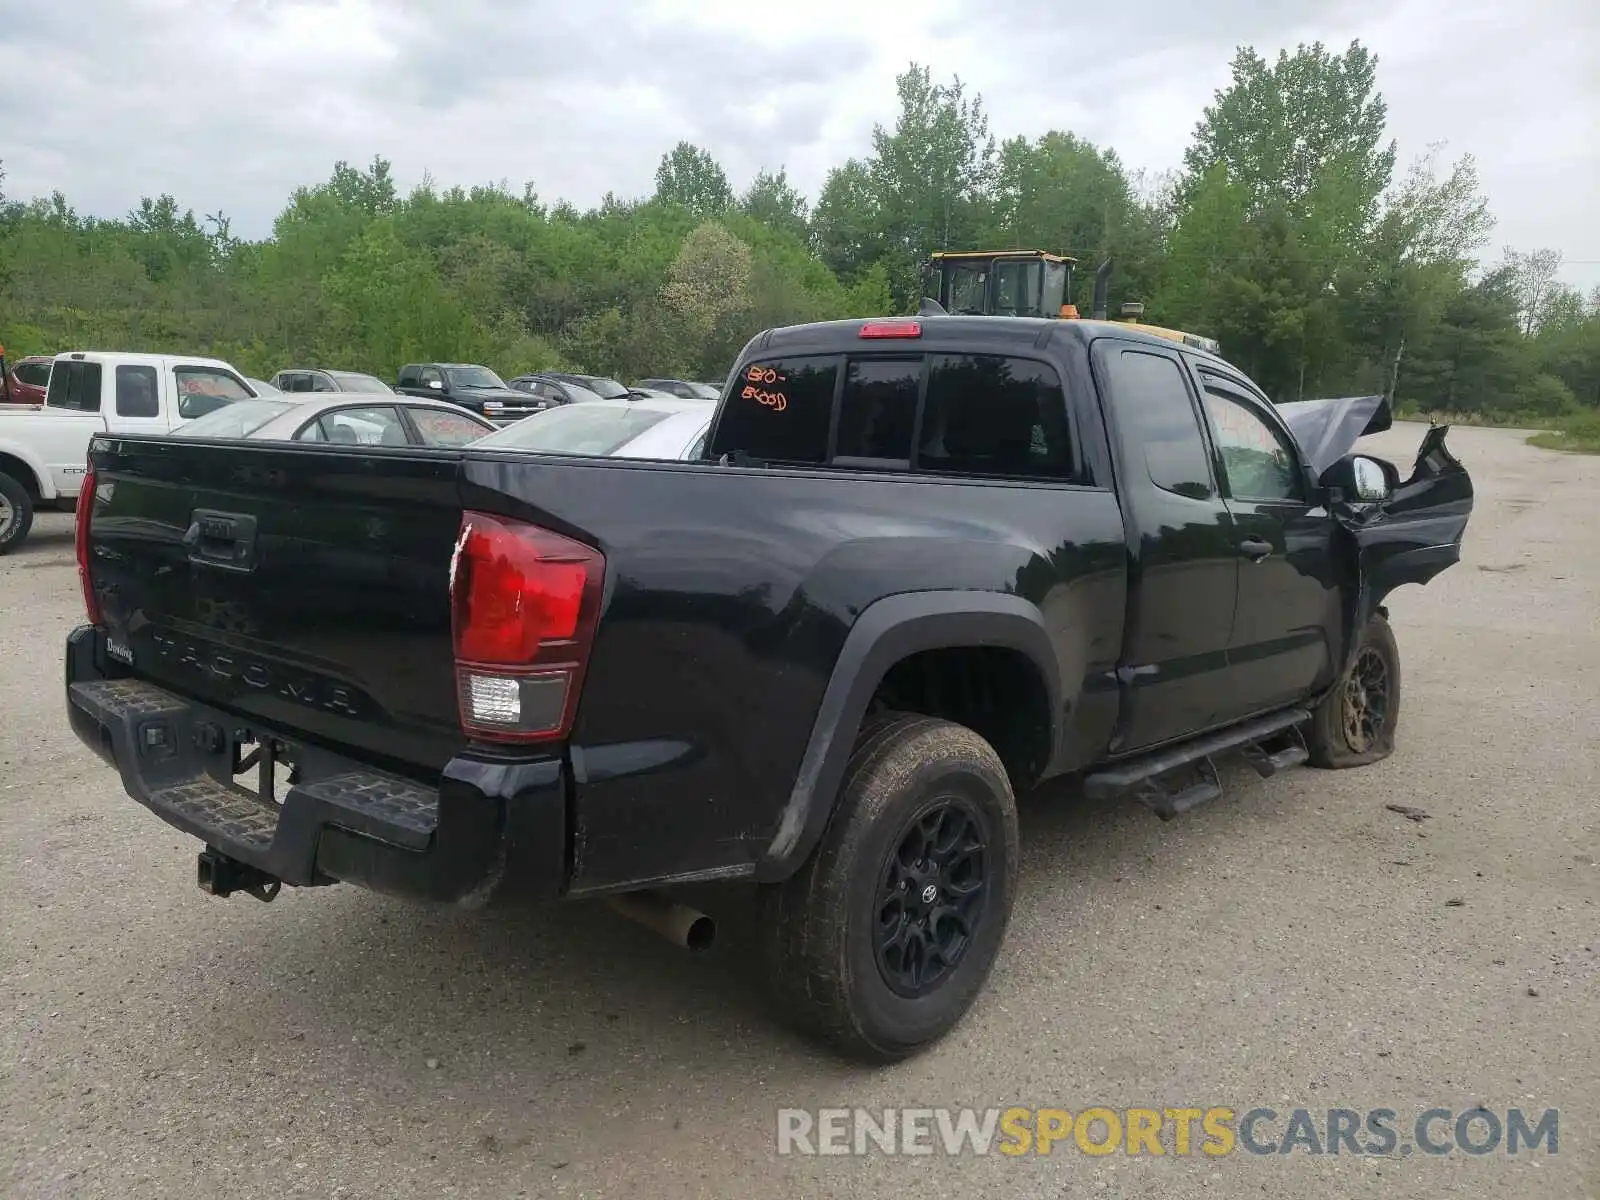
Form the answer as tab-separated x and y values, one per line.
1294	944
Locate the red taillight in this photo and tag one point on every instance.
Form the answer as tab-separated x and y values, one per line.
892	329
524	604
80	543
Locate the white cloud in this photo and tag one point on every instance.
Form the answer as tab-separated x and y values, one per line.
232	105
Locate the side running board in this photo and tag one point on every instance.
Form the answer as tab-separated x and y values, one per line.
1173	780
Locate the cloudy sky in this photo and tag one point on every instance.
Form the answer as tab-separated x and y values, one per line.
228	104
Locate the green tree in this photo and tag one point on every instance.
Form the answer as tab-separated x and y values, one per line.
1283	130
773	201
690	177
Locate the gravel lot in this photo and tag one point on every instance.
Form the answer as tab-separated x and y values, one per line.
1293	944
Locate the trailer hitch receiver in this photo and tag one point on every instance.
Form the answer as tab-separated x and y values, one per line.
219	875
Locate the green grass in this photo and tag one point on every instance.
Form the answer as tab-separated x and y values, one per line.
1580	433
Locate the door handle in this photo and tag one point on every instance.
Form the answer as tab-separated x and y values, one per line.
1255	549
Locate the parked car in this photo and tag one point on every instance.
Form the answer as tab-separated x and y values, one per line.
472	387
924	565
551	391
653	428
315	379
602	386
342	417
262	388
43	450
26	379
686	389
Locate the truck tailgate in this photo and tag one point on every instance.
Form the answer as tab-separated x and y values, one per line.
306	587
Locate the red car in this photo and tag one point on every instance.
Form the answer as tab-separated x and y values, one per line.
26	379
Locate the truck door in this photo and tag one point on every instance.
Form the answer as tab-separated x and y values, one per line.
134	403
1287	621
203	389
1183	565
73	403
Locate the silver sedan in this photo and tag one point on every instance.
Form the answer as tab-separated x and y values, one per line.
651	428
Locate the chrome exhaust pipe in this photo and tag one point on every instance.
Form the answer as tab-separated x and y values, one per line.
678	923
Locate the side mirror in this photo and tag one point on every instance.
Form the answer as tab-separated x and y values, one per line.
1371	481
1358	479
436	384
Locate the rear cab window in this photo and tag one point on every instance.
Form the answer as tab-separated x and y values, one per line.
999	416
75	385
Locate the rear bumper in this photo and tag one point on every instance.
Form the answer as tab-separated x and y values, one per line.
492	829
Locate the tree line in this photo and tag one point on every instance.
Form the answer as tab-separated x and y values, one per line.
1291	234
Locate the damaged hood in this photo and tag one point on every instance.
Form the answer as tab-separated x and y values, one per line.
1327	430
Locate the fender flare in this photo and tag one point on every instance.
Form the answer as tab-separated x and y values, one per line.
887	631
44	481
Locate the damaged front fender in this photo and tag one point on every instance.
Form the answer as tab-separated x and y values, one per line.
1417	532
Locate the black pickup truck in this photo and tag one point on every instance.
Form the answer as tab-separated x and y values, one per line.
474	388
925	565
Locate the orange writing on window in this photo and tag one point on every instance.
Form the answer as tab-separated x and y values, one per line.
776	401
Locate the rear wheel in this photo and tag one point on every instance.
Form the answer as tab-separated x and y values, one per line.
882	941
1355	723
16	513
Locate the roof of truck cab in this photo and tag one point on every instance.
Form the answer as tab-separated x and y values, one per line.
945	332
187	360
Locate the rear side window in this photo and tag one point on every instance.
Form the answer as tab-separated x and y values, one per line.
441	428
1153	403
779	410
136	392
993	415
878	409
75	385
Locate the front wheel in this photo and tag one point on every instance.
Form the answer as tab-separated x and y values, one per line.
1355	723
880	943
16	513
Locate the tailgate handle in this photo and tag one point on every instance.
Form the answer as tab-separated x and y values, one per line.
221	539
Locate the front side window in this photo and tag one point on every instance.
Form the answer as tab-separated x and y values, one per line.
136	392
1153	403
779	410
994	415
431	376
34	374
321	383
75	385
377	426
205	389
1257	462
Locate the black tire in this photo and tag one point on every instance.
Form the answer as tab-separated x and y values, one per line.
1355	723
16	513
825	945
